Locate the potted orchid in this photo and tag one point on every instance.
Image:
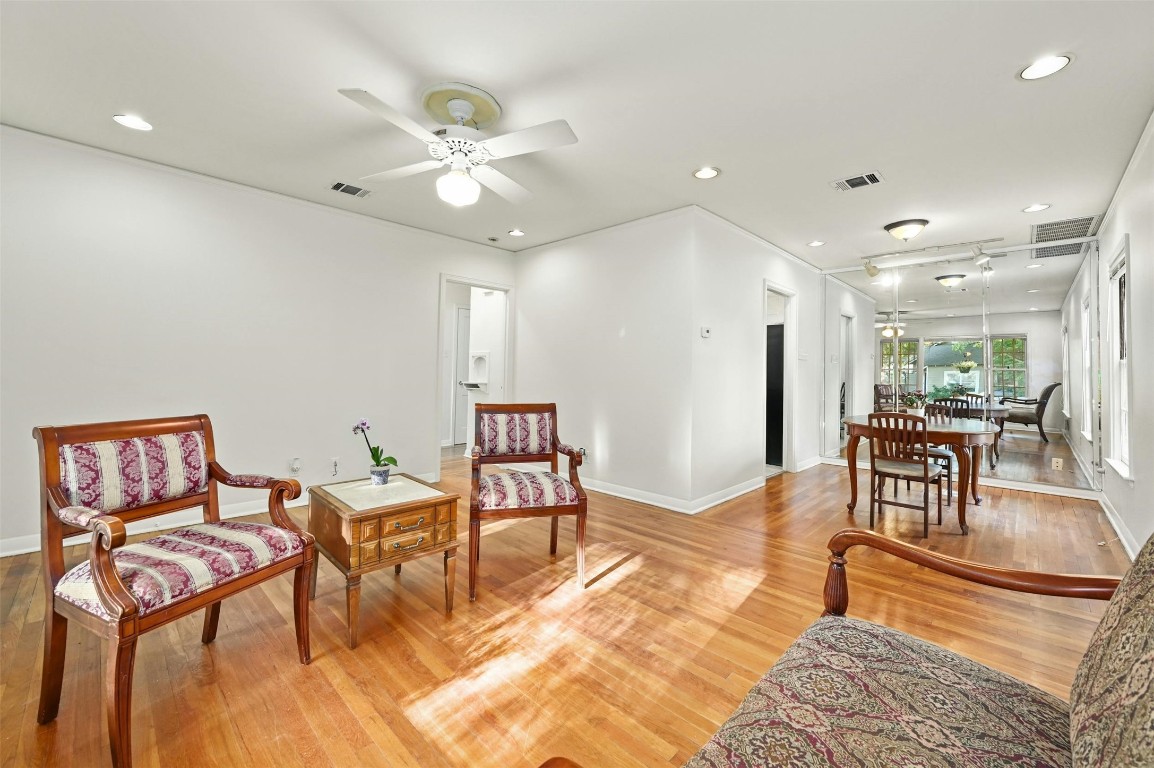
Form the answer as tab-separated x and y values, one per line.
379	471
915	403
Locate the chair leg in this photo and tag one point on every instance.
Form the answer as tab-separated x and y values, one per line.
553	535
118	698
926	510
211	618
1042	432
301	586
875	490
52	675
940	500
474	553
580	549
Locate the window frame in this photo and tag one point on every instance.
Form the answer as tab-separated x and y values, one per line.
1019	392
1119	341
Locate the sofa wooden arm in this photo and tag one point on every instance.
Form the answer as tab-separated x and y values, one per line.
279	490
1056	584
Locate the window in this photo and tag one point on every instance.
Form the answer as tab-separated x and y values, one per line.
907	364
1009	366
1119	366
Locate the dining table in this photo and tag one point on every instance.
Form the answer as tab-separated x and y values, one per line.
965	437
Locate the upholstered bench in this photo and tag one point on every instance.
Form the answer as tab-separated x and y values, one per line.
853	693
96	478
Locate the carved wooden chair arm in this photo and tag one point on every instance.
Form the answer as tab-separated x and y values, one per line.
574	455
1055	584
280	490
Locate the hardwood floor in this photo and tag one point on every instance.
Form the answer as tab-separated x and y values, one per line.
681	616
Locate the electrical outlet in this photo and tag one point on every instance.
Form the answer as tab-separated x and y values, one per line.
1056	464
295	466
336	465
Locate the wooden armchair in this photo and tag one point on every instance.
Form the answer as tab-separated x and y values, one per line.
99	477
884	399
523	433
1034	415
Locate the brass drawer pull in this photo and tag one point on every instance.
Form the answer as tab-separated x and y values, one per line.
397	545
413	527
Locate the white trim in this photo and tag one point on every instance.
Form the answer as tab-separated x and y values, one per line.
1144	139
683	211
1123	470
1087	470
809	463
686	507
759	240
19	545
1129	542
202	177
851	289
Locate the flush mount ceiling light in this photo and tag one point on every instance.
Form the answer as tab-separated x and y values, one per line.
707	172
133	122
871	270
815	243
1035	207
908	229
950	281
516	233
458	188
1044	67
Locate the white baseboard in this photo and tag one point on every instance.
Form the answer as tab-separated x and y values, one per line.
687	507
1129	542
19	545
809	463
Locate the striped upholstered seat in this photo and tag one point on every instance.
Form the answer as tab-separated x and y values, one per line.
516	490
180	564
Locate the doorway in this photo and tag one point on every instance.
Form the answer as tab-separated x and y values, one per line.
778	389
845	391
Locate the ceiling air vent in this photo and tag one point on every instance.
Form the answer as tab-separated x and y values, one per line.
867	179
1083	226
349	189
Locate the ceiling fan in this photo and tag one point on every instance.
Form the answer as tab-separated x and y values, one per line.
462	147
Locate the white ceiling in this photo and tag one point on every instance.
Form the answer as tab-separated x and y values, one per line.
784	97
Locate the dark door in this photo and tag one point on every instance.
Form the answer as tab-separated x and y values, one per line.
774	393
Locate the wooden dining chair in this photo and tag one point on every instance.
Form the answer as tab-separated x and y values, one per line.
898	449
939	413
884	399
977	402
959	405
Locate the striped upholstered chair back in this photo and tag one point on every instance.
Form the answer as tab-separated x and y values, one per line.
517	432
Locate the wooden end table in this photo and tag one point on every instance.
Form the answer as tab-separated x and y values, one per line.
363	528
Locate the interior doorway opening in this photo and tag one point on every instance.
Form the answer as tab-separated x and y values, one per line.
778	389
474	356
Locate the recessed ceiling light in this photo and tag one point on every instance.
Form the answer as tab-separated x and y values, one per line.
132	121
516	233
1033	309
908	229
708	172
911	301
1033	266
815	243
1035	207
1033	290
1044	67
951	314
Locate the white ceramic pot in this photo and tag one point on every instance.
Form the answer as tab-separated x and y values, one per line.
379	475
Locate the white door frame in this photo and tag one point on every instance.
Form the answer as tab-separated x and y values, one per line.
789	383
456	358
438	405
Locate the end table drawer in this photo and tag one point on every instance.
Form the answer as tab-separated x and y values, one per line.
402	545
444	513
414	521
444	533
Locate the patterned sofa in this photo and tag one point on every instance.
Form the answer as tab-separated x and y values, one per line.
853	693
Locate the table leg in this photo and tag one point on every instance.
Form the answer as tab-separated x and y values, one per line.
963	455
851	458
975	465
996	452
397	569
353	600
450	577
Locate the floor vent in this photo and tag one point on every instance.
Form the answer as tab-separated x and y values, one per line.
867	179
349	189
1082	226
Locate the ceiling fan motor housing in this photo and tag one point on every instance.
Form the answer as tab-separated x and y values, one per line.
460	144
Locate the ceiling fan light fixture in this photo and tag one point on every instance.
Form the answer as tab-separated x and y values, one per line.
950	281
907	229
458	188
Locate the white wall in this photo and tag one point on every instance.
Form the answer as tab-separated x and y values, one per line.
1043	332
1132	213
129	290
843	301
609	326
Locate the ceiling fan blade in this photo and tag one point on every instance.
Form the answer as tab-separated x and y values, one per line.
381	109
404	170
545	136
501	184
